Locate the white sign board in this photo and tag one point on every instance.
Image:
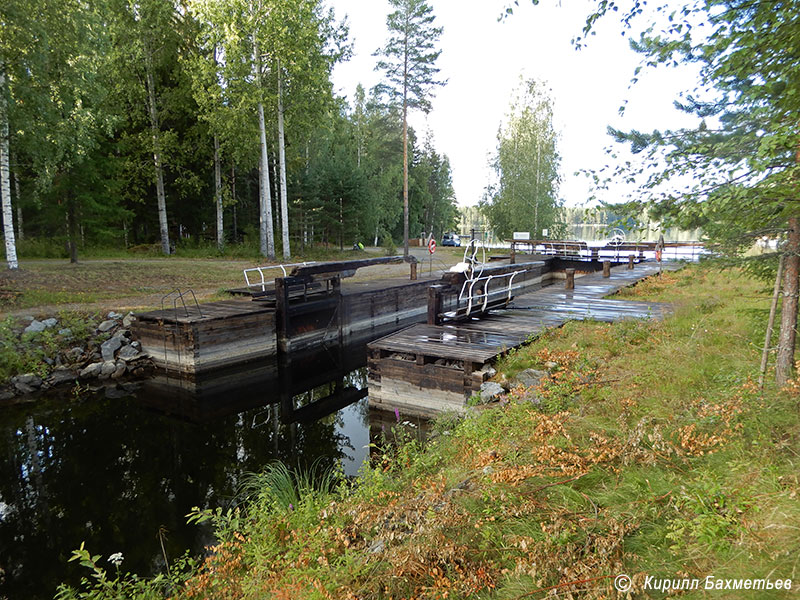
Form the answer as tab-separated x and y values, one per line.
522	235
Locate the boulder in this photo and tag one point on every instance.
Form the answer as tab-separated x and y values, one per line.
128	353
106	325
66	332
109	347
51	322
114	315
490	390
120	370
74	354
529	378
92	370
28	379
107	368
23	388
35	327
59	376
128	320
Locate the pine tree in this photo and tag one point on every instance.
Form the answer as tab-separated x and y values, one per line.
409	59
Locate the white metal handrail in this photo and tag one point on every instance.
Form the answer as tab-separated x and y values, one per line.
260	270
485	293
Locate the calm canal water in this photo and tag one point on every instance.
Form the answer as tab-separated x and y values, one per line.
113	472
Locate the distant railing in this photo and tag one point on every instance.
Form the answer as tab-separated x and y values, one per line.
262	283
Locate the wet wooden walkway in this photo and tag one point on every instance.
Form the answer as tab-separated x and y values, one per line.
413	368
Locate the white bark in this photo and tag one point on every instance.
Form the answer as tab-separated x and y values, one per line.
18	203
159	170
267	238
282	159
5	178
218	194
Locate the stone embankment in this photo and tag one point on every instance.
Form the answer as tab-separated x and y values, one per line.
103	352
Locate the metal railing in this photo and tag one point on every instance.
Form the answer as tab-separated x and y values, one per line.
262	283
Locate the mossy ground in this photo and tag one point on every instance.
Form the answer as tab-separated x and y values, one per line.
652	452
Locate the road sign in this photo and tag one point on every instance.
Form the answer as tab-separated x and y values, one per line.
432	246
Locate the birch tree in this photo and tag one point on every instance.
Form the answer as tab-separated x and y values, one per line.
408	61
5	177
525	194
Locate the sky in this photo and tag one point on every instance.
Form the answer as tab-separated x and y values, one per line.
483	61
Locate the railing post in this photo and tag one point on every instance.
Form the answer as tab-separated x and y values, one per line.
413	271
434	304
630	261
513	254
606	268
569	282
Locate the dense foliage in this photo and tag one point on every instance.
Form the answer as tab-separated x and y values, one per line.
135	122
525	195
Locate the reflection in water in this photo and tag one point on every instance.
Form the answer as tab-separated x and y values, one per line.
113	472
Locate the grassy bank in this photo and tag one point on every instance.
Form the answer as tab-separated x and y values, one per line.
126	281
648	451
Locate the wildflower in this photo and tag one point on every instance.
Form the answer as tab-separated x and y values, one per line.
116	559
397	414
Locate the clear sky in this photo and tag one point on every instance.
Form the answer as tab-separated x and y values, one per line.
483	60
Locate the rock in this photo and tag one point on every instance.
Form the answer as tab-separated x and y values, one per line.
93	370
377	547
550	365
60	376
51	322
28	379
128	353
23	388
106	369
7	394
35	327
66	332
49	361
114	315
74	354
136	345
28	318
138	371
106	326
128	320
490	390
120	370
488	470
123	335
109	347
529	378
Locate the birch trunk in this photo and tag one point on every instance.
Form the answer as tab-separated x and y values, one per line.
784	363
282	159
5	180
265	198
159	169
18	202
218	195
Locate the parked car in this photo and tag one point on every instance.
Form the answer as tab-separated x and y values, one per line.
451	239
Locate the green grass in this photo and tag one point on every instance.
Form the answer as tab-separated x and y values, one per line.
651	453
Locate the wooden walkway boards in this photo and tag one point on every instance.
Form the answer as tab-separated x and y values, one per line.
413	369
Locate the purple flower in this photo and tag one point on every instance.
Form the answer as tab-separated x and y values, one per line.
397	414
291	506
